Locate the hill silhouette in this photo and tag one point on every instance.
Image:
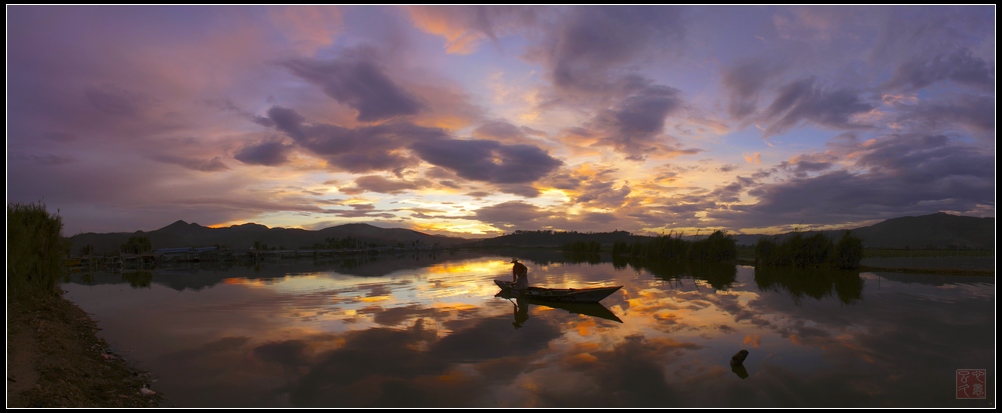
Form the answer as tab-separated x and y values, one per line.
242	237
934	231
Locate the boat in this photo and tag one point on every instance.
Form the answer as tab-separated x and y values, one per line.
573	295
589	309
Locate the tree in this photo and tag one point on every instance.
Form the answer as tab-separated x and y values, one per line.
137	245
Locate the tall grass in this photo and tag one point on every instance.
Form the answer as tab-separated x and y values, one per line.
36	250
718	247
813	251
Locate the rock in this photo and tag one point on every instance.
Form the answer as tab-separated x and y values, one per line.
739	358
147	392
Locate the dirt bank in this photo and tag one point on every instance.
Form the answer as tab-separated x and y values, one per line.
55	359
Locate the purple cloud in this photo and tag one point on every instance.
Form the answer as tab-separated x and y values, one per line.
488	161
268	153
357	81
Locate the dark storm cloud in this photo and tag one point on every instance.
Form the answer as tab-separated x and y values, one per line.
212	165
488	161
581	51
806	100
269	153
900	175
960	66
358	81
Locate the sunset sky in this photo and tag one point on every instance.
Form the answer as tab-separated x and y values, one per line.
474	121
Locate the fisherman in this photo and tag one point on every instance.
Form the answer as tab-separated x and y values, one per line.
519	274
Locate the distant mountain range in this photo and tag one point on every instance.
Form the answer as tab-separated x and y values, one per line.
934	231
246	236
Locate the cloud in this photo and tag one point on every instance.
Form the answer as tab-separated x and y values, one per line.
465	27
385	147
512	214
487	161
891	176
116	100
601	194
269	153
357	81
960	66
212	165
631	126
358	150
807	100
47	159
500	130
745	80
974	113
375	183
581	51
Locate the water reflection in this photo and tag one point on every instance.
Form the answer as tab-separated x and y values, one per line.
431	332
817	283
589	309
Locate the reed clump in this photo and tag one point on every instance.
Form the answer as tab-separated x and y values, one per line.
36	250
810	251
717	247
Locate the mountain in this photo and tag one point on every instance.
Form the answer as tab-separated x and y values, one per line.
934	231
236	237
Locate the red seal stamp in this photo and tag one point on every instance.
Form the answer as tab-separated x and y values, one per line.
971	383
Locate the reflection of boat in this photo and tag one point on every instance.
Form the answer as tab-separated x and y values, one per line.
574	295
589	309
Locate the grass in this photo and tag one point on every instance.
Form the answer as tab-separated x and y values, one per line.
36	251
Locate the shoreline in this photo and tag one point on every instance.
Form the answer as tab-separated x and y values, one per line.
928	271
56	360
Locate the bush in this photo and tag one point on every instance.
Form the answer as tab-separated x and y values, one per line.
848	252
814	251
36	250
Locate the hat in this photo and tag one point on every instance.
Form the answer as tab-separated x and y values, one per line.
514	260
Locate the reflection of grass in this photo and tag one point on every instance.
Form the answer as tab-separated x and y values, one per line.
889	253
817	283
719	275
138	279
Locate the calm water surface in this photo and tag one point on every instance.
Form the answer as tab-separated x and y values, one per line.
428	331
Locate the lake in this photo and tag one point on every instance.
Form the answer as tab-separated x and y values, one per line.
426	330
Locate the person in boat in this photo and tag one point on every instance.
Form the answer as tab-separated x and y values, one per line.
519	274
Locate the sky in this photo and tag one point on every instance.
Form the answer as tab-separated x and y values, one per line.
475	121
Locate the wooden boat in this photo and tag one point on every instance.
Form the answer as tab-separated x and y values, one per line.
574	295
589	309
